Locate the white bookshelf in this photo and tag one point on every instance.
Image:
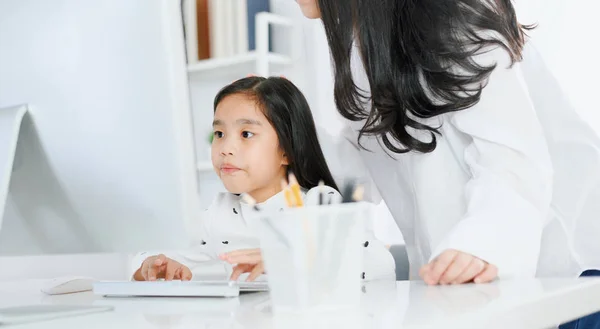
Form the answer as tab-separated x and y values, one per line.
240	63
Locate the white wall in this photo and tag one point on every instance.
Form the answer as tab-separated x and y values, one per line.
568	37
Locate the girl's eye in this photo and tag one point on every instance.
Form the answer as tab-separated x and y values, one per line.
247	134
218	134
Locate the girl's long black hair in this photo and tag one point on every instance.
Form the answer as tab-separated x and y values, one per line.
287	110
411	50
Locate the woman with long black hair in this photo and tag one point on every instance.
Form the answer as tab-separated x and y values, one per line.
485	167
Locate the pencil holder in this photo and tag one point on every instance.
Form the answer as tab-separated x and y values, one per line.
313	256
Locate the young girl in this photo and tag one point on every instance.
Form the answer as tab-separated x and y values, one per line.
263	130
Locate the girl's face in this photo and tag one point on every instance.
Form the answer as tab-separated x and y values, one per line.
245	151
309	8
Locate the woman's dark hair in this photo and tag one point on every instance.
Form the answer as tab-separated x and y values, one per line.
412	51
287	110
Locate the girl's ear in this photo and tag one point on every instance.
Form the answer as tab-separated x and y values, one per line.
284	160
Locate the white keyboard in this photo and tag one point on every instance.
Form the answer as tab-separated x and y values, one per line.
177	288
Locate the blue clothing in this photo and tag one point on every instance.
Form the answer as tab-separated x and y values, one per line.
591	321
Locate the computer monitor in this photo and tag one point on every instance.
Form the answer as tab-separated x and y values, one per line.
105	158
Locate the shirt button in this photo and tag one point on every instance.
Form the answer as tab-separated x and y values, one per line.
363	275
235	211
225	242
366	244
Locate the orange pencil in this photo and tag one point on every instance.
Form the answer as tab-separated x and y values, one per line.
306	226
287	194
297	193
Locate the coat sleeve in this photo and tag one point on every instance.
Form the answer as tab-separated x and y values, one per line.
200	257
378	262
508	196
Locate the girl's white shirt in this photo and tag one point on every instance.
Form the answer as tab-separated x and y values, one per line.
226	226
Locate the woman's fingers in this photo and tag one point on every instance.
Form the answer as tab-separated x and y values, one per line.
455	267
468	275
439	266
424	270
460	263
488	275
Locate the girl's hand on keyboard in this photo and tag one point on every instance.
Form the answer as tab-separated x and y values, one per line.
162	267
246	261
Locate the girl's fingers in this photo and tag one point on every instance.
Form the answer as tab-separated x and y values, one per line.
248	257
144	270
237	271
160	260
171	268
257	271
151	270
245	259
240	252
157	267
186	273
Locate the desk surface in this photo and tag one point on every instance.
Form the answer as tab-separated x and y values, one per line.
530	304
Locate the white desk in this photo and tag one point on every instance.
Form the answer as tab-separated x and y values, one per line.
533	304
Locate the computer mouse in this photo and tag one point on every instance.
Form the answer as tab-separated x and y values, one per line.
67	285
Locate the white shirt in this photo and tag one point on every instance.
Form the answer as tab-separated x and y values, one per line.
225	226
514	180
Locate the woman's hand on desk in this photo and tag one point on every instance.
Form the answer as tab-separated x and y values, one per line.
246	261
456	267
162	267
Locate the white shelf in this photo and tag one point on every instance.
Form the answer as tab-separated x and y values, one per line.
204	166
245	64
